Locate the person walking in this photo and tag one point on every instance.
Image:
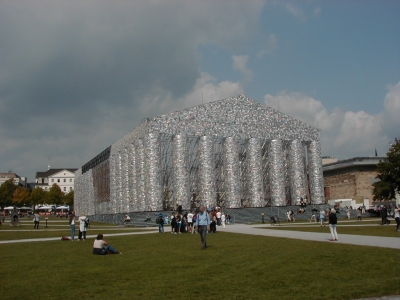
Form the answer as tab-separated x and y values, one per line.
72	225
223	220
173	223
190	222
36	220
397	216
194	222
383	214
203	225
322	217
332	225
348	211
82	227
160	223
359	214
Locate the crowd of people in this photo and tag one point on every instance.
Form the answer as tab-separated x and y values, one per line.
185	222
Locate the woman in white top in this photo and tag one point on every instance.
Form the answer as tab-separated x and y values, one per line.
223	220
82	227
397	216
101	247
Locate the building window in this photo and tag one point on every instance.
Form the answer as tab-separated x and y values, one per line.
65	180
70	188
65	189
70	180
58	180
52	180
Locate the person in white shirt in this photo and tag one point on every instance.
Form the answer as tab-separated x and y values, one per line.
82	227
101	247
223	220
218	218
397	216
190	222
36	219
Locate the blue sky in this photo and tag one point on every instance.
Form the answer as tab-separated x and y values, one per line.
76	76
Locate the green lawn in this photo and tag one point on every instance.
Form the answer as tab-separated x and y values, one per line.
165	266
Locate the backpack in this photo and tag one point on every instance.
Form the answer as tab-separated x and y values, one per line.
87	223
159	220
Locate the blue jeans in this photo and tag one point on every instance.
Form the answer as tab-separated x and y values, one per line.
72	231
107	249
161	227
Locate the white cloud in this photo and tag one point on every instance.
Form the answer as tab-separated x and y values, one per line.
270	46
205	90
345	134
391	116
294	10
240	64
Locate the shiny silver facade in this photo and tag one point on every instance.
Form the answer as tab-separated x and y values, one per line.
180	171
153	197
315	172
277	173
232	153
206	171
297	171
254	173
232	175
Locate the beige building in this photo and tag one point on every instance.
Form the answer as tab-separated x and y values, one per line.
18	180
64	178
351	178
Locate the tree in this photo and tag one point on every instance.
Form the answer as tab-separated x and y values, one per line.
388	174
6	192
20	195
55	195
37	196
69	198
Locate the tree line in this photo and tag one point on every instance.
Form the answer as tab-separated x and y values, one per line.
12	195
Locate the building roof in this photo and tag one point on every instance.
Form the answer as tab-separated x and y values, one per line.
52	172
353	162
234	117
239	117
9	175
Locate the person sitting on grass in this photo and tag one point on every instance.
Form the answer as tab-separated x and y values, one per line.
127	219
101	247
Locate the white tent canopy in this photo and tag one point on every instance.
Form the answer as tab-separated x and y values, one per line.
25	208
9	207
62	207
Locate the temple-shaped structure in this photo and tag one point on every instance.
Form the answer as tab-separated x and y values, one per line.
230	153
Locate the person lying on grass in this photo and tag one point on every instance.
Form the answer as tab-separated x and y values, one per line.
101	247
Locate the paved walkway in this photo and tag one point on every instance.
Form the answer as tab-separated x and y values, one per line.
361	240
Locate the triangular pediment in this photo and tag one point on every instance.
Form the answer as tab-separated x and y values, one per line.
63	173
238	116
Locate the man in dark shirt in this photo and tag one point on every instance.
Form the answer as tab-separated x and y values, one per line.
383	214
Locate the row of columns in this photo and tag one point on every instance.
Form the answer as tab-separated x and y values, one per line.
135	177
